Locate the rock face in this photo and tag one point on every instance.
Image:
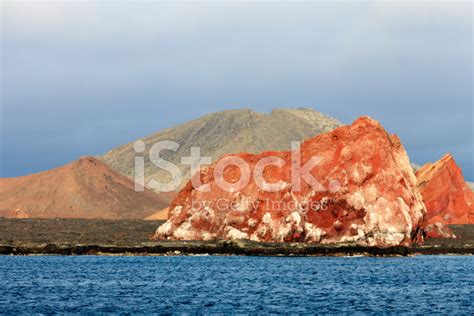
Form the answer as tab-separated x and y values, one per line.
437	230
447	197
365	193
222	133
85	188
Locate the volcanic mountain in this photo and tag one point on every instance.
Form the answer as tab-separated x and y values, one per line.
86	188
221	133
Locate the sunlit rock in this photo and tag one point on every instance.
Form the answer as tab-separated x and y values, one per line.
364	192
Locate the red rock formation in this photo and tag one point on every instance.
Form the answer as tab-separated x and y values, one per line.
437	230
85	188
447	197
370	195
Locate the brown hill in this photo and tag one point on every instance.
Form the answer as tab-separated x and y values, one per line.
159	216
86	188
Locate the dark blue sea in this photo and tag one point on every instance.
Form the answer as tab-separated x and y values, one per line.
208	284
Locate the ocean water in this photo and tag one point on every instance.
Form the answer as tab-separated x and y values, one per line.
233	284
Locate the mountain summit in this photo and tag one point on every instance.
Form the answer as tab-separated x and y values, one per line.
225	132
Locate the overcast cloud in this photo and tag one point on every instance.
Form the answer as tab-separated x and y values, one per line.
79	78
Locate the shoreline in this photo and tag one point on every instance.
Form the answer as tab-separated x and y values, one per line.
131	237
234	247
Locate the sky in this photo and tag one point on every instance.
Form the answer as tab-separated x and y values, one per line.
82	77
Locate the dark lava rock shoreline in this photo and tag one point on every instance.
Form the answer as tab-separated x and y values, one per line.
236	247
130	237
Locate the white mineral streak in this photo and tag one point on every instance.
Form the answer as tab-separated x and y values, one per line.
313	233
267	218
356	200
234	233
185	232
252	222
165	229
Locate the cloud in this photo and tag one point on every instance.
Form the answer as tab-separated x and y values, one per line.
97	74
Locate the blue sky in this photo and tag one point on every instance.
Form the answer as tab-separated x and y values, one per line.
81	77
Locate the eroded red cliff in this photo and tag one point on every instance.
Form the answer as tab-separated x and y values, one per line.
368	195
447	197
